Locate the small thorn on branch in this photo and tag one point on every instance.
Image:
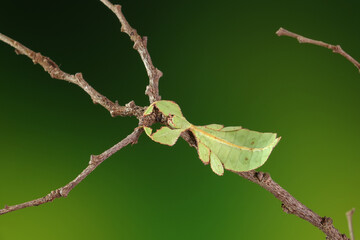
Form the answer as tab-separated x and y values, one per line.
286	209
337	49
263	177
130	104
326	223
259	175
144	40
118	7
92	159
159	74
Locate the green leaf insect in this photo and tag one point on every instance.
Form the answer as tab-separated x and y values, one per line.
233	148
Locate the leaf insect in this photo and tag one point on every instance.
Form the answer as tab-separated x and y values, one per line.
232	148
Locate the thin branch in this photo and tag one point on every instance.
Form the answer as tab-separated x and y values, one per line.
292	206
349	216
115	109
55	72
140	44
95	160
334	48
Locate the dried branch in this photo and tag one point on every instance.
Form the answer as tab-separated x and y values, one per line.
55	72
292	206
334	48
140	44
115	109
95	160
349	216
289	204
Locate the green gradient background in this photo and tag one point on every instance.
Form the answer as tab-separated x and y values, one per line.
222	63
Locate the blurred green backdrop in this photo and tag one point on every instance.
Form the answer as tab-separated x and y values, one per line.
222	63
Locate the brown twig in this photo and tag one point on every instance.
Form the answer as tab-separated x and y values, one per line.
140	44
55	72
115	109
334	48
292	206
95	160
289	204
349	216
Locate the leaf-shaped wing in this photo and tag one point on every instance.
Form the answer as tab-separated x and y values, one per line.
204	153
164	135
216	164
149	110
215	126
168	107
238	149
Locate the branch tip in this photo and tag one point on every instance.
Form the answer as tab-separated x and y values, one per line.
279	32
334	48
350	212
349	216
